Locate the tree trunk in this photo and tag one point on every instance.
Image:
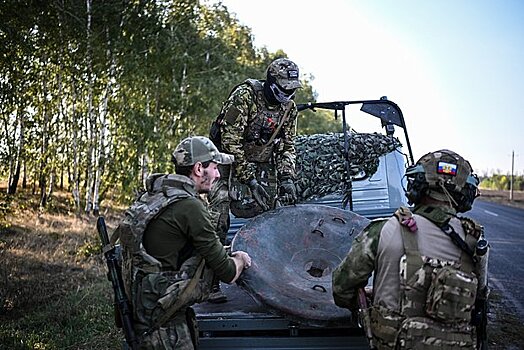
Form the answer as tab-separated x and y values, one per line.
61	115
75	181
19	153
61	178
91	127
42	182
50	188
14	179
144	159
24	179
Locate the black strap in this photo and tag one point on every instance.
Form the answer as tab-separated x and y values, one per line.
457	240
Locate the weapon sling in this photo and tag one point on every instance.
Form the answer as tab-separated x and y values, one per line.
457	240
262	153
284	118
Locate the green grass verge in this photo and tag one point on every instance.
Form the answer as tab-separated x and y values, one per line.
82	319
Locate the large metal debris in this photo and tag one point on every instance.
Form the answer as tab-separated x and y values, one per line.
320	163
294	251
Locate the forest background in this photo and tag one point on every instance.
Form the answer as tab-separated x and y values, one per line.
96	95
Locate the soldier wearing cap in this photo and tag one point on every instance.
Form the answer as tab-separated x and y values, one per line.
257	126
178	238
429	266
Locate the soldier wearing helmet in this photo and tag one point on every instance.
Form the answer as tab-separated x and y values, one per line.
429	265
257	126
170	250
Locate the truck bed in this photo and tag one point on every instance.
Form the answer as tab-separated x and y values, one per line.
242	323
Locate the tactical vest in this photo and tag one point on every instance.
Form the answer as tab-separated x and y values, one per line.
436	298
161	192
262	129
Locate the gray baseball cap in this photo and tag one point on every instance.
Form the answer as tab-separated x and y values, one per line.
199	149
285	73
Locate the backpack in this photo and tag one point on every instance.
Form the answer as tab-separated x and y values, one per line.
438	297
215	131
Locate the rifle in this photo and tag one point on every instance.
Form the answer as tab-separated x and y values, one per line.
364	320
123	316
481	303
481	322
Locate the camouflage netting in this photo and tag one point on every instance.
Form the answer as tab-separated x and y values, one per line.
320	161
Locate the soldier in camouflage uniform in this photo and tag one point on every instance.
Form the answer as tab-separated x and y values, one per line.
170	260
257	126
430	266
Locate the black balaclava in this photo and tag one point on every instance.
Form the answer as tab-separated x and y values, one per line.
274	93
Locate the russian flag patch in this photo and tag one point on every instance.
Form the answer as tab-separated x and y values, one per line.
447	168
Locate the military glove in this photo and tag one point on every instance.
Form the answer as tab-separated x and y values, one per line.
259	193
288	192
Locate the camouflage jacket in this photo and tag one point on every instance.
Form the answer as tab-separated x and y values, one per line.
250	121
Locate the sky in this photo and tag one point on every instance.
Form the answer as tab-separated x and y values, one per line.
454	67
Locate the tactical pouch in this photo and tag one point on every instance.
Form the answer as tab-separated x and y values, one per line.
425	333
384	325
451	295
258	154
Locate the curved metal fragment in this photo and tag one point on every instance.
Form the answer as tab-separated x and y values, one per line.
294	251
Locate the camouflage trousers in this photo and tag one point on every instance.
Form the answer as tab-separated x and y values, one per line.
157	294
229	194
177	334
219	203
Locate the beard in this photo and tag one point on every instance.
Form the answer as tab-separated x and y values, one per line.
205	182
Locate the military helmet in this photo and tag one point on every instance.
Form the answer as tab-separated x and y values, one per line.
285	73
443	175
199	149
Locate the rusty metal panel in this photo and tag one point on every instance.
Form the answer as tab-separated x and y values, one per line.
294	251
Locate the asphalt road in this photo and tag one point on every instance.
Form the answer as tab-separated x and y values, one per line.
504	229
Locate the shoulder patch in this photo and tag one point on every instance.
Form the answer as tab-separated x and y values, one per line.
231	114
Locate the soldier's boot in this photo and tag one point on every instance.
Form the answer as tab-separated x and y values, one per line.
217	296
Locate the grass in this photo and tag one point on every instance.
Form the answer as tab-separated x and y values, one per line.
54	293
81	319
